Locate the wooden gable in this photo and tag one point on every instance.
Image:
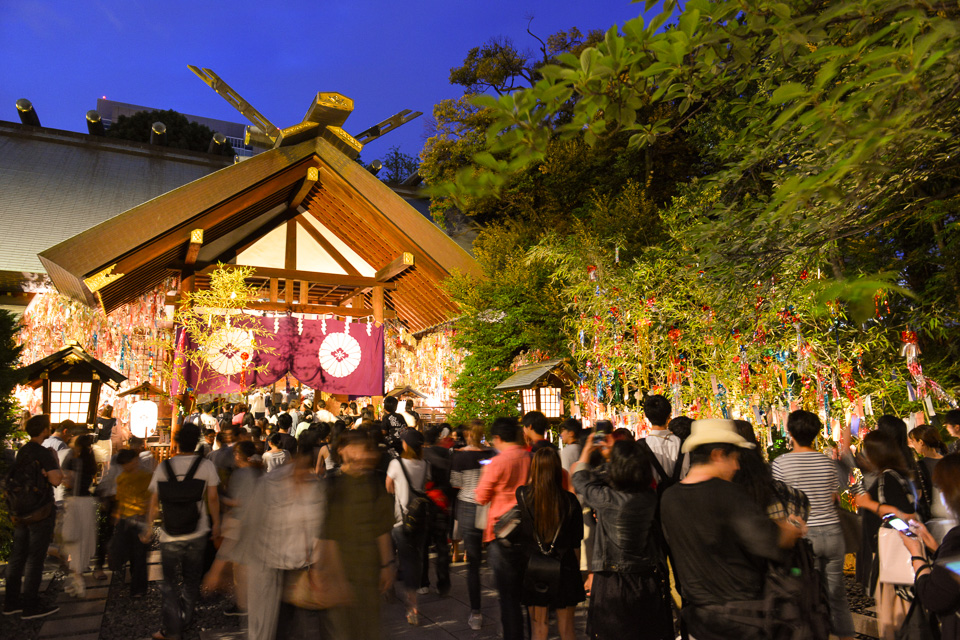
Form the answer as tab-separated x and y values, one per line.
351	218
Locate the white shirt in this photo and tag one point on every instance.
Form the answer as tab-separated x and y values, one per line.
256	403
666	447
206	472
274	459
410	420
322	415
417	470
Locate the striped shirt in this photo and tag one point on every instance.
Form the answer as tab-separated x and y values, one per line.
818	477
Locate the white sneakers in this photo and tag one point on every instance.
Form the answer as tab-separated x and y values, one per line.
475	621
75	586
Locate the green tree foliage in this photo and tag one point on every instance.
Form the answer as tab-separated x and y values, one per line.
181	133
513	311
397	166
827	140
610	187
9	412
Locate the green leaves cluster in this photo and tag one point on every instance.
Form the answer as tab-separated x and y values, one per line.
9	412
822	140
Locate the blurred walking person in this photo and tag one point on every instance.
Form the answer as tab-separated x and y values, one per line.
359	521
406	478
465	468
80	512
279	531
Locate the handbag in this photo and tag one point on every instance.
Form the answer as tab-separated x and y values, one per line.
893	556
480	519
851	526
322	585
895	564
507	524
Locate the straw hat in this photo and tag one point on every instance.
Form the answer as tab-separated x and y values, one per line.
713	431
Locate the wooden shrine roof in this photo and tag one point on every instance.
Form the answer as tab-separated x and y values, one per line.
132	253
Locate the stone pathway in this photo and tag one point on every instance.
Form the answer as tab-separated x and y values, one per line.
440	618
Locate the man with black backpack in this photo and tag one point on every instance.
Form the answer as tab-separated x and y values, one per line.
183	488
28	488
662	443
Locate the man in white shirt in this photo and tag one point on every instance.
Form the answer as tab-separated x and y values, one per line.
320	411
183	552
664	445
257	404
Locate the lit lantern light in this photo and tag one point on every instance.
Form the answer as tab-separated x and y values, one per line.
541	386
71	380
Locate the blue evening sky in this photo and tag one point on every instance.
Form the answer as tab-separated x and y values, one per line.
386	56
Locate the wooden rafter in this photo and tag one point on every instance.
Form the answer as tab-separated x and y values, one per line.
327	246
310	276
309	181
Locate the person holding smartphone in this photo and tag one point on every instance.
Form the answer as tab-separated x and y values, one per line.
935	584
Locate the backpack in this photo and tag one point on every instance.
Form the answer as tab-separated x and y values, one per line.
180	498
794	602
796	599
25	488
666	480
419	511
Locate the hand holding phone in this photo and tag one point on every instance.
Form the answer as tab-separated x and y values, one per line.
899	525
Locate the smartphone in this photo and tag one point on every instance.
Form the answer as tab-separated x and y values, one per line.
898	524
486	461
599	438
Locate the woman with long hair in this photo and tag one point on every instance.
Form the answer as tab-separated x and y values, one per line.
80	514
890	492
465	467
935	585
629	595
926	441
551	525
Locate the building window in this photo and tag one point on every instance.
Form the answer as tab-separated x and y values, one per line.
69	401
550	403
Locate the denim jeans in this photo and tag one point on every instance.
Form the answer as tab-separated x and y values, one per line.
507	565
180	559
128	547
827	541
30	543
473	545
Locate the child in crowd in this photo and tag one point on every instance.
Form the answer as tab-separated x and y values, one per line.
130	514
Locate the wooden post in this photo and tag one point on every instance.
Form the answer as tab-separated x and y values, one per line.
187	285
377	303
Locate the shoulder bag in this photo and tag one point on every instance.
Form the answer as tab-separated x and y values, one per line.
416	516
895	564
542	575
322	585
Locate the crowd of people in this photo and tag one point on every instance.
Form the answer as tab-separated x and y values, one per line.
305	518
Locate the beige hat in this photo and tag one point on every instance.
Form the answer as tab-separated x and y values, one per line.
713	431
